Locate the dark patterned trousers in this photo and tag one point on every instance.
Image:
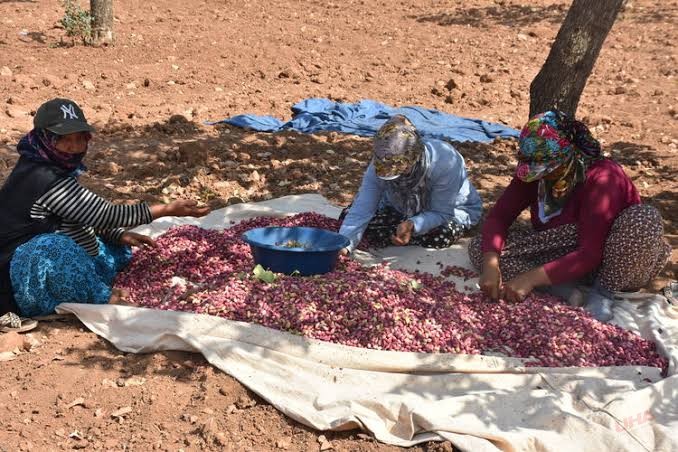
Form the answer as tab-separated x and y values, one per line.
384	223
635	249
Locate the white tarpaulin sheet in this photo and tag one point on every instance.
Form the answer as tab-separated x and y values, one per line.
479	403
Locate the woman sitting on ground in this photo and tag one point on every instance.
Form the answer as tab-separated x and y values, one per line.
414	192
59	242
587	218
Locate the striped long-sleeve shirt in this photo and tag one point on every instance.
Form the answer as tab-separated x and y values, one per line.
84	215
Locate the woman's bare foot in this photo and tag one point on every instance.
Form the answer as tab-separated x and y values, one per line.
119	297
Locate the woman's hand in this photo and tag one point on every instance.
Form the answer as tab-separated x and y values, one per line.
134	239
490	278
187	208
179	208
520	287
403	233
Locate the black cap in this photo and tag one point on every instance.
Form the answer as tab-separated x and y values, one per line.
61	116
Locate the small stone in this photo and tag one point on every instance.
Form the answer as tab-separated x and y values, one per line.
451	84
15	113
88	85
283	443
147	82
7	356
244	402
135	381
324	443
121	412
113	168
620	90
436	91
522	37
221	439
486	78
5	72
11	341
131	86
449	99
53	81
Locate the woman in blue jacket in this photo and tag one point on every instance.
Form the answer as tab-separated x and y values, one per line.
414	192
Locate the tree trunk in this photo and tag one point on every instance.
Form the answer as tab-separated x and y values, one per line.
102	21
561	80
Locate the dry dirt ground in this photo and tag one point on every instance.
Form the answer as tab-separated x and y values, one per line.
178	63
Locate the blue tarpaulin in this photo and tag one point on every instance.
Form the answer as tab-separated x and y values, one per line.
365	117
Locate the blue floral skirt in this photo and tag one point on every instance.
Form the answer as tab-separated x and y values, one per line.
51	269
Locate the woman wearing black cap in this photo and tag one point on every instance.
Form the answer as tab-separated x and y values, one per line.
60	242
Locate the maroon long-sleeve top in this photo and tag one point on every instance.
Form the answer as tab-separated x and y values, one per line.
593	207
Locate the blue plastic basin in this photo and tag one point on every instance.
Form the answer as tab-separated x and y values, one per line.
317	256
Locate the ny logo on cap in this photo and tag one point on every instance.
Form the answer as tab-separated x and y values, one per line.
69	111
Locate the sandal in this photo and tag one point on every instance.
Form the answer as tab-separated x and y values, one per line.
11	322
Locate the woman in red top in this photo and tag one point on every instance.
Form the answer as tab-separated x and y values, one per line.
587	220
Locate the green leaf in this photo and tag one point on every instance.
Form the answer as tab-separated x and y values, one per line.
258	270
266	276
416	285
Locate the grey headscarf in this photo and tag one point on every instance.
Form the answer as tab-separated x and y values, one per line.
401	160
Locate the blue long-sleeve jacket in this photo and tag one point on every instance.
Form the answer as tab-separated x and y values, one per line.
452	196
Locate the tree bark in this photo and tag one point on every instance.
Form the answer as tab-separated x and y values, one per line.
562	79
102	21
